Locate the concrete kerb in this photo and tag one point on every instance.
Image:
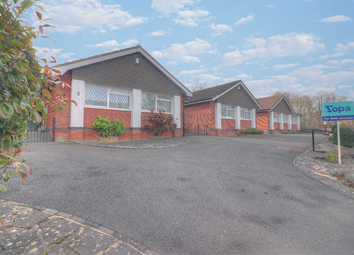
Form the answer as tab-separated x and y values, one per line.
86	223
320	178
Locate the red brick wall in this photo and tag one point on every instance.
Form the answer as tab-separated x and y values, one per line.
227	124
262	120
285	126
245	124
293	126
276	126
90	115
202	114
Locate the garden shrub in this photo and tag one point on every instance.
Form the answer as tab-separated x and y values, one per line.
159	122
332	158
247	131
349	177
345	140
105	128
242	131
336	171
253	131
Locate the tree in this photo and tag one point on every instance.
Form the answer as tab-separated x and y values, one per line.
198	85
25	85
310	105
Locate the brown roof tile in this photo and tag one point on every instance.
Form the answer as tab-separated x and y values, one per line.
268	102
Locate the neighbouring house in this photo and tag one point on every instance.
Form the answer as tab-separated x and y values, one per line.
277	115
221	110
124	85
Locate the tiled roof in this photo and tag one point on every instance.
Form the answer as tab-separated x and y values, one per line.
97	56
119	51
268	102
209	93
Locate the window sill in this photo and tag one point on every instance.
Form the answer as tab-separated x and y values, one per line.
105	108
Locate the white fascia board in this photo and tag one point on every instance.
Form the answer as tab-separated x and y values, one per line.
69	66
246	89
286	101
197	102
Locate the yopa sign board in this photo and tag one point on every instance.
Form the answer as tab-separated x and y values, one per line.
338	111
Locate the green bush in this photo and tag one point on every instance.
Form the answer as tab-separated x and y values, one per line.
332	158
105	128
345	140
248	132
242	132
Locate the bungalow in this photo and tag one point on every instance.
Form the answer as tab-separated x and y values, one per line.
123	84
221	110
277	115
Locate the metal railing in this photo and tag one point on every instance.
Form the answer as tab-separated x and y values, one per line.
323	131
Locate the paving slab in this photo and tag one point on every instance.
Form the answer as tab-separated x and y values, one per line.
29	218
123	250
92	242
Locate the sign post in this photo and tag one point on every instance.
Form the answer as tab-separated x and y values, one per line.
337	111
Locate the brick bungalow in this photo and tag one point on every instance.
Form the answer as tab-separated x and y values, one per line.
221	110
277	115
124	85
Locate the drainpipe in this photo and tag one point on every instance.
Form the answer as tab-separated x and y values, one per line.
184	98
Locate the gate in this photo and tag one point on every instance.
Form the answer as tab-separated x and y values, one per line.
200	129
41	132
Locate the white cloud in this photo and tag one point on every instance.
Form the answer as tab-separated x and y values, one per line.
345	86
107	44
114	44
270	6
243	20
74	16
277	46
344	47
219	29
44	52
160	32
191	72
337	18
190	18
208	78
130	42
341	62
241	76
170	6
185	52
278	67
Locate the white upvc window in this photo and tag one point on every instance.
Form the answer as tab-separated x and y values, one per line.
227	112
106	97
294	120
245	113
276	117
158	102
285	118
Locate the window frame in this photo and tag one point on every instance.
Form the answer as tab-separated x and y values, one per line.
292	120
277	115
287	118
228	107
109	92
158	99
242	113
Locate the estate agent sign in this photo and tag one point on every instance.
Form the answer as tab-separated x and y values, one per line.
338	111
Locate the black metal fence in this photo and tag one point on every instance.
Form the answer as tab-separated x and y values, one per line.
201	129
41	132
325	132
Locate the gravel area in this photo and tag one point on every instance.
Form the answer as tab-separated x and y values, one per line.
311	164
152	143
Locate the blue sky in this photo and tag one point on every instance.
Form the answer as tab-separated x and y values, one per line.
294	45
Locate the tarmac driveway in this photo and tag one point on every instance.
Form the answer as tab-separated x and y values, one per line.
216	195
